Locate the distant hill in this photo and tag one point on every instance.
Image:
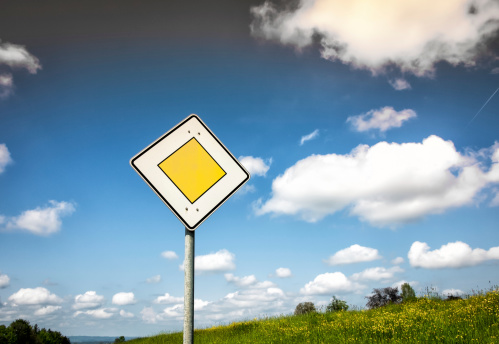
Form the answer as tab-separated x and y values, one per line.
94	339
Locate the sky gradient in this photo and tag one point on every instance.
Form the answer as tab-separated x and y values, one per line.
370	132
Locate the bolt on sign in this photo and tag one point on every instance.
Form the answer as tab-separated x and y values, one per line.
190	170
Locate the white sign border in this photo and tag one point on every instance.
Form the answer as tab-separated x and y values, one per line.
146	162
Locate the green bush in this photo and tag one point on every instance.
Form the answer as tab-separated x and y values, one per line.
304	308
336	305
408	294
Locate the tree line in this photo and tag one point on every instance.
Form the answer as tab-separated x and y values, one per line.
21	332
379	298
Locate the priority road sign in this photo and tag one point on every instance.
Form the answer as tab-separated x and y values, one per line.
190	170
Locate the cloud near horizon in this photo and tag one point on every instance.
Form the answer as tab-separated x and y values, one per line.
452	255
411	36
353	254
387	184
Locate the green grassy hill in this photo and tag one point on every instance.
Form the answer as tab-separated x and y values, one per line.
425	320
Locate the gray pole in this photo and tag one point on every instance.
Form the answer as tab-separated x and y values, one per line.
189	288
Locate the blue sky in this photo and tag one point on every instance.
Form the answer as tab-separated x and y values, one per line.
372	145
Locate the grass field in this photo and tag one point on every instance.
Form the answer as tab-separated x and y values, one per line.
425	320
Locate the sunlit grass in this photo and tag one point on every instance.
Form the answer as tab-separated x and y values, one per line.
425	320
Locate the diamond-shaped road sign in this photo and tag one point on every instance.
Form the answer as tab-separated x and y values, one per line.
190	170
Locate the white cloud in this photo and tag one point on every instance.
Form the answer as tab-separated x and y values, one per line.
255	166
102	313
386	184
6	85
453	292
397	261
283	272
495	71
241	281
168	299
493	203
400	84
377	35
4	281
15	57
353	254
246	189
5	158
382	119
452	255
88	300
124	298
377	274
169	255
42	221
47	310
34	296
154	279
126	314
330	283
220	261
149	316
309	137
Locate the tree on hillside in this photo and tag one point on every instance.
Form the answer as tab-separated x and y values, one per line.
304	308
21	332
120	339
336	305
408	293
383	297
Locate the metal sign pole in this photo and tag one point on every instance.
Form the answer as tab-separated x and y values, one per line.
189	287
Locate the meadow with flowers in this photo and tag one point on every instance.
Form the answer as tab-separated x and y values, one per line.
427	319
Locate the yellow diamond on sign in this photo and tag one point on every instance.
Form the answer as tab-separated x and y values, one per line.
192	170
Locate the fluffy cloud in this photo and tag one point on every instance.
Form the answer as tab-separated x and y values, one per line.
88	300
124	299
283	272
102	313
400	84
125	314
386	184
241	281
377	35
170	255
5	158
330	283
255	166
46	310
376	274
15	57
168	299
309	137
382	119
353	254
34	296
42	221
453	255
154	279
4	281
220	261
397	261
